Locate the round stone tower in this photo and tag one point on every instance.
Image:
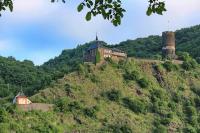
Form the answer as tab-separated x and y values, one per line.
169	45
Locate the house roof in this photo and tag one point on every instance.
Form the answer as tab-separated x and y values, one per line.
117	50
96	44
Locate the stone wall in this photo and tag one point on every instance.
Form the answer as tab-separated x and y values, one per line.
35	106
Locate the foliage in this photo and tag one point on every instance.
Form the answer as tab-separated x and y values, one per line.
81	106
91	112
15	75
109	9
113	95
143	82
160	129
133	75
169	66
135	105
174	104
189	64
97	58
121	129
6	4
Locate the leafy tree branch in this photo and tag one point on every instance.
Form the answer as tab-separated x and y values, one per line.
110	10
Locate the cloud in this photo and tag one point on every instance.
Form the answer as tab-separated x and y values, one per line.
39	30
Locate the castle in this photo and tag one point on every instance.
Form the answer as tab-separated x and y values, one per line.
104	52
168	49
168	42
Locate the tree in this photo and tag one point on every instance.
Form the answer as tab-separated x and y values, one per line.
109	9
98	57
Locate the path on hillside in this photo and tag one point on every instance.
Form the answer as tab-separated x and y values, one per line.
156	61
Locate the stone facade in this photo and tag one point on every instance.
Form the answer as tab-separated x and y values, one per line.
115	54
169	45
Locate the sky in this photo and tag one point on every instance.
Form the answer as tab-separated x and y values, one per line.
39	30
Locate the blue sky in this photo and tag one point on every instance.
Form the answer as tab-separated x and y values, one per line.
39	30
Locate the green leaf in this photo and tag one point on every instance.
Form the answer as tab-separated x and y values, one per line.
149	11
80	7
88	16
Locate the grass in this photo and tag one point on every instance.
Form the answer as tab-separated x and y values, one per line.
103	99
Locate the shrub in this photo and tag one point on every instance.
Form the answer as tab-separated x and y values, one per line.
113	95
74	106
68	89
189	64
165	121
136	106
143	82
94	78
189	129
169	66
82	69
160	129
61	105
134	75
91	112
97	58
111	61
183	56
121	129
196	89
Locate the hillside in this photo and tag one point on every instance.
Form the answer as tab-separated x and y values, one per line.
16	75
132	96
187	39
66	79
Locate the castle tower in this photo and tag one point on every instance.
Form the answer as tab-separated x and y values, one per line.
168	42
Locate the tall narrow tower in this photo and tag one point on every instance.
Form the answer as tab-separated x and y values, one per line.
169	45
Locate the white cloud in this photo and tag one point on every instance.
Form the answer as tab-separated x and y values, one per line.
67	22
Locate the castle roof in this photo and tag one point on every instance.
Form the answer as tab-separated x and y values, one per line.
96	44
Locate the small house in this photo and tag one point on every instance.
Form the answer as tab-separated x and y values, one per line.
21	99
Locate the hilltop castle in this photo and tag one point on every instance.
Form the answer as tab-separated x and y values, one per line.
169	45
168	49
104	52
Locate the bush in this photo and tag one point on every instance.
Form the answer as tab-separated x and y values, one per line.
196	89
74	106
61	105
113	95
189	129
68	89
183	56
160	129
134	75
136	106
121	129
169	66
94	78
91	112
189	64
143	82
98	57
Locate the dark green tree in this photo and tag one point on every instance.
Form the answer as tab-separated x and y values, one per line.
97	58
